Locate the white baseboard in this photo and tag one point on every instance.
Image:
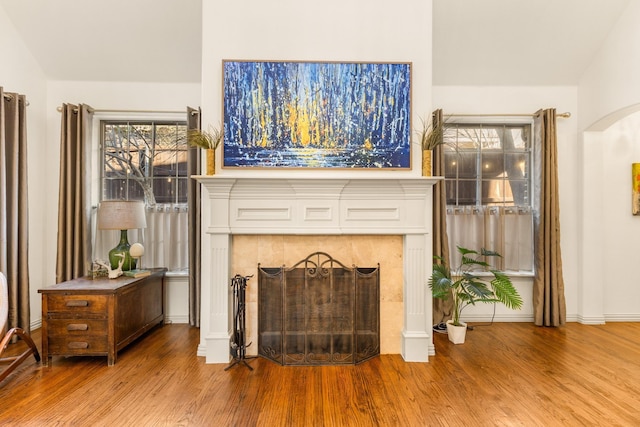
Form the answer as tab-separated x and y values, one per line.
37	324
486	318
585	320
176	319
591	320
629	317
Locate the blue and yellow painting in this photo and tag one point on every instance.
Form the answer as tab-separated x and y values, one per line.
317	115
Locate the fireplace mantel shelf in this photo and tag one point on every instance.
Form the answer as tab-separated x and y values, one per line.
315	203
337	177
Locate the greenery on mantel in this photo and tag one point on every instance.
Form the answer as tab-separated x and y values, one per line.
210	139
431	136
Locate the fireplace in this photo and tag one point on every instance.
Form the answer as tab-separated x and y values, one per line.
318	312
314	204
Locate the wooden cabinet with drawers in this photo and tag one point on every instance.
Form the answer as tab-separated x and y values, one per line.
98	317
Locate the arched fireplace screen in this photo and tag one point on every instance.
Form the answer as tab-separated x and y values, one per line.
318	312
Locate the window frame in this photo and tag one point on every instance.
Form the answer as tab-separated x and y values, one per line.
95	170
499	120
489	120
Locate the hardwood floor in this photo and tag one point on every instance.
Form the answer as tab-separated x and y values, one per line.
506	374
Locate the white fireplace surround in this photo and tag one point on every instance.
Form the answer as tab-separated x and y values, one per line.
339	203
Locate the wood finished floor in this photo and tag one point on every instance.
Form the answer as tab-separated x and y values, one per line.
507	374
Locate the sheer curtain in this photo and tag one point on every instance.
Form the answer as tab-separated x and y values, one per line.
74	208
14	216
164	239
475	227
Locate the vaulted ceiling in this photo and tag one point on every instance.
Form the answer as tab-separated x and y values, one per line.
518	42
113	40
487	42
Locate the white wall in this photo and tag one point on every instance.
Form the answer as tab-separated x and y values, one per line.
333	30
527	100
20	72
177	299
609	91
612	81
621	147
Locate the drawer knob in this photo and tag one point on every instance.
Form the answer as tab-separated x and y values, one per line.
77	345
77	327
77	303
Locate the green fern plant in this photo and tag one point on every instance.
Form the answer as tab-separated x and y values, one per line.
467	286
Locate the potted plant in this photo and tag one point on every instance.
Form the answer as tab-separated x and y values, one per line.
430	137
471	282
208	141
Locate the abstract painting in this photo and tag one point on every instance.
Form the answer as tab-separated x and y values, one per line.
635	184
348	115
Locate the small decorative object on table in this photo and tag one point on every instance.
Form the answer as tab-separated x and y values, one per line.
98	271
136	251
112	273
137	273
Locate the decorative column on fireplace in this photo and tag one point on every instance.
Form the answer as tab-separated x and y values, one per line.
280	203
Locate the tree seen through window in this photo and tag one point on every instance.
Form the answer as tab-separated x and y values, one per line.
144	161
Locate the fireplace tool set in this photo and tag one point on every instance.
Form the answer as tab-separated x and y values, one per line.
238	346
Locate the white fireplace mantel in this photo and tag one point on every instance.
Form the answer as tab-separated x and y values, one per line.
281	203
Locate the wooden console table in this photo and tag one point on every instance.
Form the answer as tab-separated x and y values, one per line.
98	317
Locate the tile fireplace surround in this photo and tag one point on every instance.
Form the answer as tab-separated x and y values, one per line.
279	203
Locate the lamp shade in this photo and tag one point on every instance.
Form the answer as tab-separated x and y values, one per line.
121	215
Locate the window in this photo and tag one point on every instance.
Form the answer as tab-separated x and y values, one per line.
489	188
146	160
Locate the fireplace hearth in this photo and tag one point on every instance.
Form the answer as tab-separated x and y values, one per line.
318	312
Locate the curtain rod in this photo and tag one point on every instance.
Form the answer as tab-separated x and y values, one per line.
10	98
565	115
94	110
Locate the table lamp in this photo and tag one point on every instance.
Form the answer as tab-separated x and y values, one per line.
121	215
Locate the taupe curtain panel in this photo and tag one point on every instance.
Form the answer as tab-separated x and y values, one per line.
74	208
14	215
441	307
193	199
548	287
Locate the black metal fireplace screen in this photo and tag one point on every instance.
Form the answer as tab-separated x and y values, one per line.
318	312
